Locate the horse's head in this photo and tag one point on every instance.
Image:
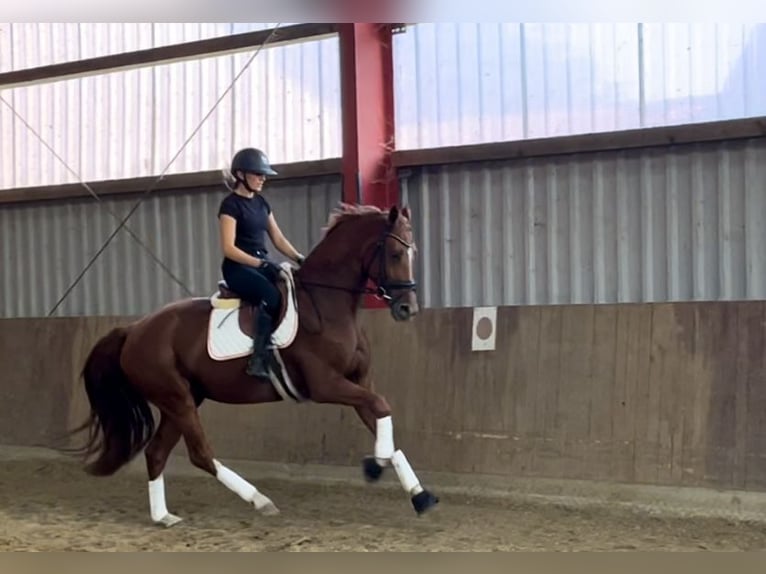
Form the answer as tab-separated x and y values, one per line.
363	243
393	266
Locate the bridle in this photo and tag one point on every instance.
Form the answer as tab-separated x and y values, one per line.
384	286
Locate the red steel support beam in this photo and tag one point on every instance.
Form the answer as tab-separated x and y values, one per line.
367	84
367	98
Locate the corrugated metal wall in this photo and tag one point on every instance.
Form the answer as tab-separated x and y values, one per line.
46	246
132	123
672	224
484	82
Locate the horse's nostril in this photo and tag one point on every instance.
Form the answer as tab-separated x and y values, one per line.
405	308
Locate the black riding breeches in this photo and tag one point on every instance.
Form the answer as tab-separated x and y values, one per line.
251	285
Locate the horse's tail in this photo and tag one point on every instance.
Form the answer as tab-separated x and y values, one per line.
116	409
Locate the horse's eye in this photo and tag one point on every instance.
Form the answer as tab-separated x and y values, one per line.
396	257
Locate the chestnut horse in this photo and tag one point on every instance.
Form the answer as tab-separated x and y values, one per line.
166	358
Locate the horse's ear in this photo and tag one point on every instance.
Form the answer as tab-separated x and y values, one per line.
393	215
406	212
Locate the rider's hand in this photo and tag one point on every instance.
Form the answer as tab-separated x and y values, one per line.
269	270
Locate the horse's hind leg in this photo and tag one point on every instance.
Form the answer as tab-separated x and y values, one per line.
186	418
156	454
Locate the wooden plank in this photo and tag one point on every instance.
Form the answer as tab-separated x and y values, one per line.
750	370
601	425
631	351
511	386
521	329
755	397
744	316
640	369
675	406
664	136
465	395
575	390
549	458
653	454
202	180
691	392
212	47
711	434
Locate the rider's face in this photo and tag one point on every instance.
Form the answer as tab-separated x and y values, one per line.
255	180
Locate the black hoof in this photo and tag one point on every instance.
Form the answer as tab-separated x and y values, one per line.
372	470
423	501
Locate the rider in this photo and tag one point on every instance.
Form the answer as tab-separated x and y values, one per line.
245	217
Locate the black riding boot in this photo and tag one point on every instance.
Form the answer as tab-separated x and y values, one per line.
259	361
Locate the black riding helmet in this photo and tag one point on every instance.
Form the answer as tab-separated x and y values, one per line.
251	160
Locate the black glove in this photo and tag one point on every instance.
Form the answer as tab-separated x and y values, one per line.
269	270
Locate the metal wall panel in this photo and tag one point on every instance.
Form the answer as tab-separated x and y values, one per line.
485	82
46	246
673	224
136	123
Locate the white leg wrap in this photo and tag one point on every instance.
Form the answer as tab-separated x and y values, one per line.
384	440
234	482
244	489
410	482
157	506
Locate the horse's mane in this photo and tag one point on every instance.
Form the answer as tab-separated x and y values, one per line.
346	211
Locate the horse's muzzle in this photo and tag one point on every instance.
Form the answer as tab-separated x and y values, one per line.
402	310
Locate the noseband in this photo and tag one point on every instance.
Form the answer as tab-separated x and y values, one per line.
384	285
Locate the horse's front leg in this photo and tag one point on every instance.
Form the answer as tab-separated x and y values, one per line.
375	412
382	430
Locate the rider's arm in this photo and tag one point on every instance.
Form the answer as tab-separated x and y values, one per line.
280	241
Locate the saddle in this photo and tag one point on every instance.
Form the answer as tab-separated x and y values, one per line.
285	321
247	311
230	329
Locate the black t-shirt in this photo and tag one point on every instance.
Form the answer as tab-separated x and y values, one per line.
252	216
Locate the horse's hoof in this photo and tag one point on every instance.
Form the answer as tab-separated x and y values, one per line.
424	501
268	509
169	520
372	470
264	505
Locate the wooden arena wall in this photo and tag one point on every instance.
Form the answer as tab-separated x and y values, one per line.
669	394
